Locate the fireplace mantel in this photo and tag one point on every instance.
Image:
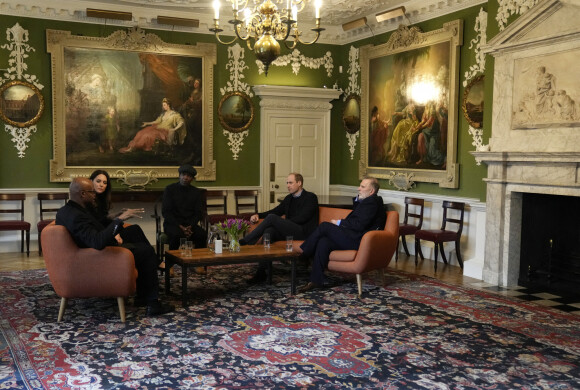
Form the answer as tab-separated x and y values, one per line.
535	143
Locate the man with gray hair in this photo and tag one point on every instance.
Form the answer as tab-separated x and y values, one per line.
368	214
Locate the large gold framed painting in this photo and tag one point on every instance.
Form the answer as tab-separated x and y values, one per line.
130	103
409	107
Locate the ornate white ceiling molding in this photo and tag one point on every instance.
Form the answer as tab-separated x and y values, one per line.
334	14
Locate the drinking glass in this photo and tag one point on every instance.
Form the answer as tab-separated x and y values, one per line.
188	248
266	240
211	237
289	240
182	242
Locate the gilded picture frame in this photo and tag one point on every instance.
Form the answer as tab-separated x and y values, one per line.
130	103
236	111
409	105
351	114
472	105
21	103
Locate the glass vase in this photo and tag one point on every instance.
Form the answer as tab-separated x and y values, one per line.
234	243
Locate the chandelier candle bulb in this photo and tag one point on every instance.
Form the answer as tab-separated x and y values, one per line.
317	4
216	8
294	13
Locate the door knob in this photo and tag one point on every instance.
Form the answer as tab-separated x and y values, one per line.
276	186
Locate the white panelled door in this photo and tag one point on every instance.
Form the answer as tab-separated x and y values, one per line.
295	137
296	145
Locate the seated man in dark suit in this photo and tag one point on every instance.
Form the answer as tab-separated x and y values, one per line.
87	232
368	214
300	211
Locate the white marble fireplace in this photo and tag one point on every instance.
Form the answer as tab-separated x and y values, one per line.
535	143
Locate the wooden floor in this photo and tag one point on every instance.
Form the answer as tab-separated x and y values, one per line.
449	273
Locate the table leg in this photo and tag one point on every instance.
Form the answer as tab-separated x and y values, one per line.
269	271
168	265
184	285
293	277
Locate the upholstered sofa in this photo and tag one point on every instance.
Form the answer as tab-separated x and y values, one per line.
85	272
375	252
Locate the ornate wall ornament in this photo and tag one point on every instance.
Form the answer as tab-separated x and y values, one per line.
476	43
17	38
352	89
405	36
135	39
401	180
296	59
136	179
236	65
477	69
511	7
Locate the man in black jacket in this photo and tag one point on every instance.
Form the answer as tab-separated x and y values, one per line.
368	214
300	211
87	232
183	209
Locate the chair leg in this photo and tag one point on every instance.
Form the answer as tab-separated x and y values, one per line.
405	245
359	284
121	303
397	252
436	255
458	252
39	245
22	241
443	253
63	302
418	251
28	243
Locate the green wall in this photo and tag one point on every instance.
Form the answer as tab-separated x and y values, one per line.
32	170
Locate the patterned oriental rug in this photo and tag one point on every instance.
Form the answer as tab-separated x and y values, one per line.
414	333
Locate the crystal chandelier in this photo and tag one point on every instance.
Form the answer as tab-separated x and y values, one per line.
261	24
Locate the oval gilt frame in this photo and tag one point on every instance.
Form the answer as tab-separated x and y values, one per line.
21	103
473	102
236	111
351	114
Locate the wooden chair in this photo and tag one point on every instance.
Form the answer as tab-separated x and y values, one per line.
86	272
52	208
442	235
216	202
406	228
15	224
246	199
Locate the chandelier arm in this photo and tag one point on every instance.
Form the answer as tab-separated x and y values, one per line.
316	30
224	42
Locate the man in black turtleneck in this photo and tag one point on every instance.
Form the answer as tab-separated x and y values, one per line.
300	211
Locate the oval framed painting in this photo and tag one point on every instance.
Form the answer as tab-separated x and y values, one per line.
236	111
473	102
21	103
351	114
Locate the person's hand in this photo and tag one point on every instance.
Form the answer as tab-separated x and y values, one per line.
335	221
119	239
130	213
254	218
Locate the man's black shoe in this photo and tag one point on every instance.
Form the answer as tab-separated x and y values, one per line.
257	278
139	302
309	287
157	308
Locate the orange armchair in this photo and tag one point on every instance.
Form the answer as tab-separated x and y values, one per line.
376	250
85	272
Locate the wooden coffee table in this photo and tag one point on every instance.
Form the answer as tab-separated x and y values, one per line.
204	257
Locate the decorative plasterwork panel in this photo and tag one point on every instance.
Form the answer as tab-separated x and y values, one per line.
236	66
17	67
352	89
511	7
297	59
479	67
